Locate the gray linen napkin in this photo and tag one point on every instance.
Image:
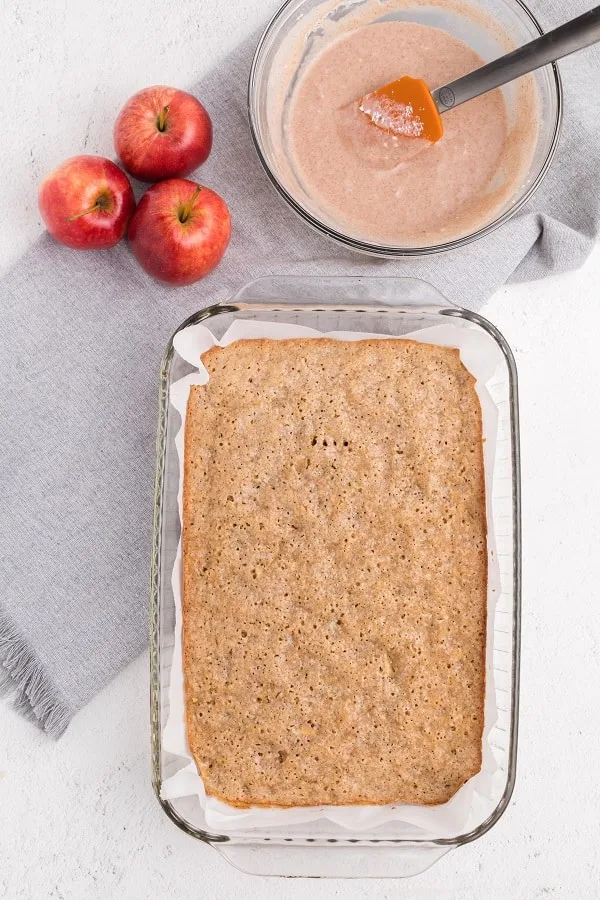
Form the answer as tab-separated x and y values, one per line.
82	335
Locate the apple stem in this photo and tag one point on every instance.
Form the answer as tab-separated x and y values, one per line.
86	212
187	208
162	118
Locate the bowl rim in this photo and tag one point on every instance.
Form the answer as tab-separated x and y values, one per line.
389	251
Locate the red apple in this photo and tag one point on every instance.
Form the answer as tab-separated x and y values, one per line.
86	203
180	231
162	133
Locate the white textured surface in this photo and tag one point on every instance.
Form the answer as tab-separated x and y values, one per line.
78	818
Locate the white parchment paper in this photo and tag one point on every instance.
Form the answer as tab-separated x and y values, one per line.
479	354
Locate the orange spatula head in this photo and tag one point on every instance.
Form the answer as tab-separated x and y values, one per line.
405	108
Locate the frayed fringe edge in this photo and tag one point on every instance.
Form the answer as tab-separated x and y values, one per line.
23	682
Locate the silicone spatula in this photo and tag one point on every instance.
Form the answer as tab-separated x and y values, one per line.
406	107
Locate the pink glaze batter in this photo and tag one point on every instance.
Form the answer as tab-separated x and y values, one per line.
398	190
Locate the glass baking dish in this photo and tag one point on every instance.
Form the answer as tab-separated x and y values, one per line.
394	306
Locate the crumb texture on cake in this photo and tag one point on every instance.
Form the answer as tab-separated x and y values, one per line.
335	573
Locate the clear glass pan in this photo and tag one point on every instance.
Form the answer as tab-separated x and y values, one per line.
515	20
393	306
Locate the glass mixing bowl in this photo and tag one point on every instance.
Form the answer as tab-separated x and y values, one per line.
300	30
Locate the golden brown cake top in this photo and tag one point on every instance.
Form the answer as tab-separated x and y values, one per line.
335	573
